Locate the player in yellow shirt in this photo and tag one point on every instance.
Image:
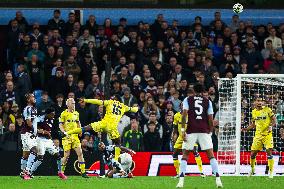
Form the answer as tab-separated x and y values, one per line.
263	119
69	120
177	140
114	112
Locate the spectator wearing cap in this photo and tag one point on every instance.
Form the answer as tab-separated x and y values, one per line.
15	112
44	104
23	85
91	24
136	87
128	99
56	84
123	76
152	140
253	57
56	22
133	138
151	87
93	86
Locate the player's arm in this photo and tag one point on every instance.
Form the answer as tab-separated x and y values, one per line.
251	126
127	150
210	113
94	101
61	122
185	106
273	119
133	109
175	134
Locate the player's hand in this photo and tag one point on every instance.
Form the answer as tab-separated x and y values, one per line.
123	172
270	129
244	129
183	134
40	131
132	152
134	109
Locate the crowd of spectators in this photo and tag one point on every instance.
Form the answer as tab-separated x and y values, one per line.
152	66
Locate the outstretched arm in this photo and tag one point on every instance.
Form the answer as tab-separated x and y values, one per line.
132	109
131	152
93	101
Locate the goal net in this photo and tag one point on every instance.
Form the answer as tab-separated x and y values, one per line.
236	102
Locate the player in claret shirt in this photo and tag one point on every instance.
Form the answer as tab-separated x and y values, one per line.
44	125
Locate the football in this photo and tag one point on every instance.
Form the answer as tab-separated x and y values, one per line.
238	8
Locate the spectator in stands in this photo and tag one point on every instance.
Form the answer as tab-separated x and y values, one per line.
56	84
94	85
150	106
59	105
56	22
276	41
230	65
267	51
36	72
23	85
35	51
70	23
108	28
85	38
9	93
11	139
133	138
91	25
253	58
123	76
152	140
13	36
127	98
21	20
153	119
14	113
167	134
36	35
44	104
71	67
277	65
84	113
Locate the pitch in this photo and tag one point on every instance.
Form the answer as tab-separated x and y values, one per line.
76	182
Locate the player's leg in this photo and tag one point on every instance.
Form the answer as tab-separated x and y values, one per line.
198	160
41	147
81	160
26	153
205	142
186	147
176	161
268	144
115	137
31	160
256	146
79	130
64	161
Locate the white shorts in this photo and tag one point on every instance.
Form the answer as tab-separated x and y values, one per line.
28	142
44	144
203	139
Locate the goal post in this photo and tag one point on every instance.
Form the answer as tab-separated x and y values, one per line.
236	101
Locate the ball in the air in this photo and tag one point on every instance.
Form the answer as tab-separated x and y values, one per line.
238	8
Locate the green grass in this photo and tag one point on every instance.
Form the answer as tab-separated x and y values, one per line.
76	182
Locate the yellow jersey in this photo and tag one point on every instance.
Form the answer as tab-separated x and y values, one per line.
69	120
178	121
262	120
114	109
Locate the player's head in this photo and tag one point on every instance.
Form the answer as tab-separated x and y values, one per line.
190	92
50	113
101	146
259	102
30	98
198	88
70	103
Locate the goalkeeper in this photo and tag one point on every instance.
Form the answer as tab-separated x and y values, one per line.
263	119
114	111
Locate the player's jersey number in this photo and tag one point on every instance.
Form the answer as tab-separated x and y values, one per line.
198	108
116	109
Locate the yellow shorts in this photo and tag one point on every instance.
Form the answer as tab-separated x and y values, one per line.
178	144
107	127
260	141
71	142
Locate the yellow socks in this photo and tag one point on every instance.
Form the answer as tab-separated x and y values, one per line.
199	163
75	131
252	164
82	167
63	168
270	163
116	153
177	164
